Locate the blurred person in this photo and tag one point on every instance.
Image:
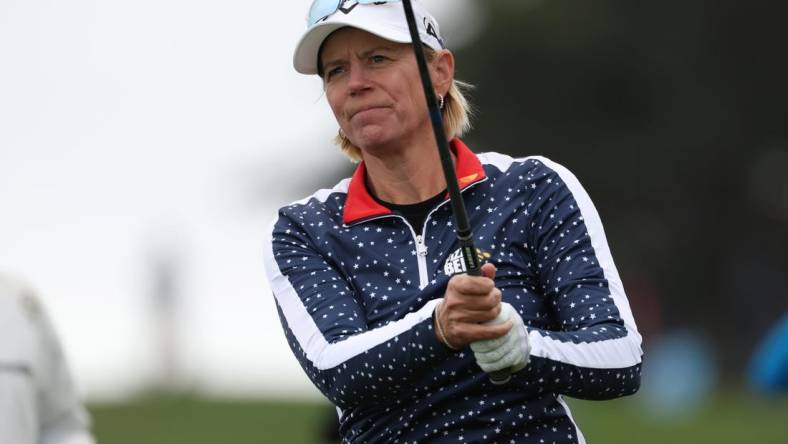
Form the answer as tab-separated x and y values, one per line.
681	375
768	369
38	402
365	275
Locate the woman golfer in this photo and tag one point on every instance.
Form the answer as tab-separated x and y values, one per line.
369	279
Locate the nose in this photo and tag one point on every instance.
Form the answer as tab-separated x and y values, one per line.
358	79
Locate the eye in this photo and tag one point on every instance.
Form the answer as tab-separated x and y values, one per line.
377	58
334	72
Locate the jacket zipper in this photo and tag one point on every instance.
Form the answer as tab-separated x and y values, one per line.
421	247
421	255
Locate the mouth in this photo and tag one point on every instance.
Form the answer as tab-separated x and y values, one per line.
364	110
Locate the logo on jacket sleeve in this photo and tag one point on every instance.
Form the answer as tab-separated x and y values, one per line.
455	264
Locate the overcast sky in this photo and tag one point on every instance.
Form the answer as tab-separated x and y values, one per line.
128	129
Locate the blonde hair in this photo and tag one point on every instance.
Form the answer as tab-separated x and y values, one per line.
456	114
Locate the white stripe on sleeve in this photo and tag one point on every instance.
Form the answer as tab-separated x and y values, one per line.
610	353
319	351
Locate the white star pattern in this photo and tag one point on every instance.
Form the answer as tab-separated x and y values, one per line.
357	280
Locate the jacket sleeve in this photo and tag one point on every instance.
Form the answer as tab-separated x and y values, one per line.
594	351
326	327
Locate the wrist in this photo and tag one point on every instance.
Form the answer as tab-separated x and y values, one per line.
439	329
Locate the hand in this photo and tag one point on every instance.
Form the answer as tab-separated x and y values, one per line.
469	303
509	351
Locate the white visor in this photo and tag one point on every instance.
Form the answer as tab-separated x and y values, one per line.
385	20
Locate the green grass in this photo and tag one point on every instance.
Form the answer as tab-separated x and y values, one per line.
731	418
198	421
725	419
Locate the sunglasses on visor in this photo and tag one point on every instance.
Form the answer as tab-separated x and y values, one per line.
322	9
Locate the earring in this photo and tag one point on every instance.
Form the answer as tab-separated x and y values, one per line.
440	101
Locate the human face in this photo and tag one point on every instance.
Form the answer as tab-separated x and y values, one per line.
374	90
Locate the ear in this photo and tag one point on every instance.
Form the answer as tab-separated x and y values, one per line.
443	71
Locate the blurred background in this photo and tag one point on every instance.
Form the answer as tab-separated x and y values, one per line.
145	147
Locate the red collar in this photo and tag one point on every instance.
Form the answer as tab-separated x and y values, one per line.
360	205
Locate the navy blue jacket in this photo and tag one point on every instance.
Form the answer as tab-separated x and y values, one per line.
356	288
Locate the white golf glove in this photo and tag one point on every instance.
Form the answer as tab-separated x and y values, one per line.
509	351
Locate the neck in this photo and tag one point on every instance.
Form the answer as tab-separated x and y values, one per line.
406	175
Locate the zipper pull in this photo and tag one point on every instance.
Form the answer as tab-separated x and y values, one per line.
421	249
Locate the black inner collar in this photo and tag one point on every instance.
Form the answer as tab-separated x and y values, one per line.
416	213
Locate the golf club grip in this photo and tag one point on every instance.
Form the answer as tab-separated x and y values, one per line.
473	265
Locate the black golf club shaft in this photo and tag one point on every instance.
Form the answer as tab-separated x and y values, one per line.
464	234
